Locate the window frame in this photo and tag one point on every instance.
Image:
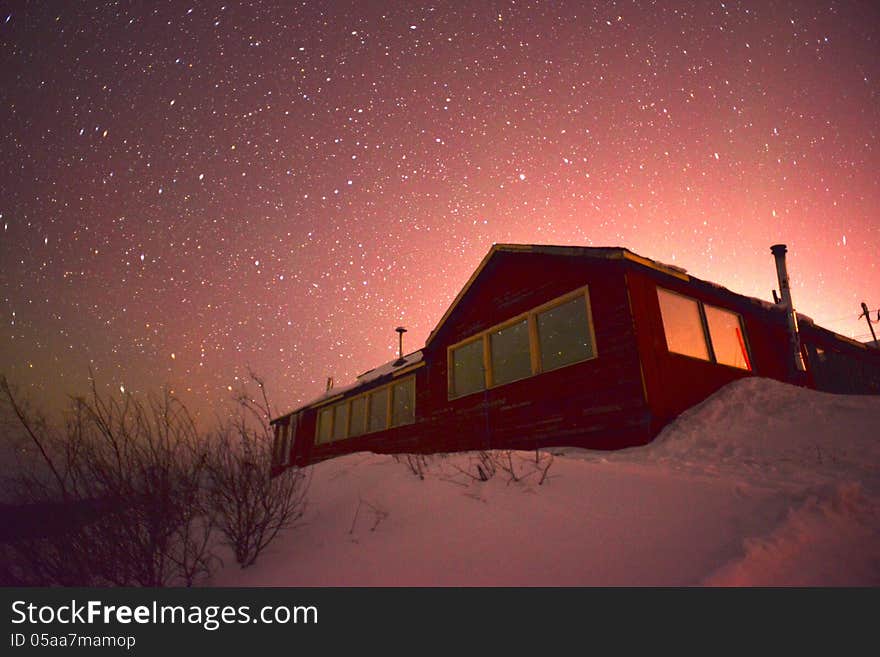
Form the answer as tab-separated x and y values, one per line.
450	365
278	444
318	424
284	435
488	354
707	334
391	398
742	329
704	326
366	397
534	344
371	394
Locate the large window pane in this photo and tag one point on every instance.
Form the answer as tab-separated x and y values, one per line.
325	424
467	369
682	324
340	421
358	416
564	334
379	410
403	402
511	359
725	331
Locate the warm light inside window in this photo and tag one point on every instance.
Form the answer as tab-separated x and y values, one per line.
725	330
682	325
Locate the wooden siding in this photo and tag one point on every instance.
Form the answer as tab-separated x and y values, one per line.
595	403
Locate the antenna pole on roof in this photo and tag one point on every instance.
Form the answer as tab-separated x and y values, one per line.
867	316
400	359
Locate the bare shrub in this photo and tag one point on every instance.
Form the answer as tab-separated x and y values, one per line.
378	515
483	464
119	491
518	467
486	464
248	506
417	463
130	493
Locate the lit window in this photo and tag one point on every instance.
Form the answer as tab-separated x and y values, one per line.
511	358
358	416
403	402
325	424
379	410
682	325
564	334
726	333
467	369
340	421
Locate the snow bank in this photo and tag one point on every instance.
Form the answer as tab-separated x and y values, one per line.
762	484
764	429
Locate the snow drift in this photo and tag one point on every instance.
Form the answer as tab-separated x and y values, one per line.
762	484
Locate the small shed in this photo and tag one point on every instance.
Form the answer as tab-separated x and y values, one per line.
582	346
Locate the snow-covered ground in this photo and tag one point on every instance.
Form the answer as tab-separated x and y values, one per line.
761	484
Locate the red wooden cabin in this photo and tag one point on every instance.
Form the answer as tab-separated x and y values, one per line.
580	346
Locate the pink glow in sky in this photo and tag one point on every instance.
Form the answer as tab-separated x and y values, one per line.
189	190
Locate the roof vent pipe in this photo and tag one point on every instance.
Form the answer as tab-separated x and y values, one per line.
329	383
779	251
400	359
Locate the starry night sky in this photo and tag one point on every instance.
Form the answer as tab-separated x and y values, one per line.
192	189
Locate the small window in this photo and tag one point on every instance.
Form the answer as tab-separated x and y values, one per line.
279	440
682	325
340	421
290	437
467	369
282	456
358	416
325	424
511	357
403	402
379	410
564	334
726	333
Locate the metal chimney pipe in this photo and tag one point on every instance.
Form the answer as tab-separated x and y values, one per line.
400	360
779	251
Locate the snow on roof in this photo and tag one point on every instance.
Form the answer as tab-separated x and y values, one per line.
390	366
681	270
362	380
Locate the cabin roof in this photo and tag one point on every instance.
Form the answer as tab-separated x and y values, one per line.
414	360
393	367
598	252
